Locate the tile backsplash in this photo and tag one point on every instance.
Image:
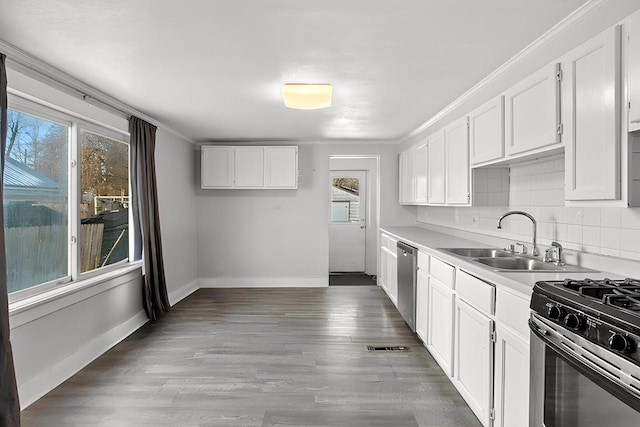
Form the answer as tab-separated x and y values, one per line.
537	187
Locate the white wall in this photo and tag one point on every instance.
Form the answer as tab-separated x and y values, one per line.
281	237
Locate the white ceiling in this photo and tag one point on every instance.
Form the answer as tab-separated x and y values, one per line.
213	70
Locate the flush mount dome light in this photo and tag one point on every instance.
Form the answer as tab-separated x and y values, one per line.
307	96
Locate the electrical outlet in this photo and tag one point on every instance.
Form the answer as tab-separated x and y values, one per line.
475	220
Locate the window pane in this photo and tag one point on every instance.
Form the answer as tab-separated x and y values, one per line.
104	208
35	201
345	200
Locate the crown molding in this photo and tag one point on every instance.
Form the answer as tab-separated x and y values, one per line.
545	39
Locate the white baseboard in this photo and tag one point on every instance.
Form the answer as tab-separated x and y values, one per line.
179	294
56	374
264	282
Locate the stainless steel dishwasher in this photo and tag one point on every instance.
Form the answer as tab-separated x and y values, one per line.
407	256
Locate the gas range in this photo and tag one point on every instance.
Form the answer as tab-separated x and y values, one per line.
606	312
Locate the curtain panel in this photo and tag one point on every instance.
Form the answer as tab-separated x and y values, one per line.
9	402
147	236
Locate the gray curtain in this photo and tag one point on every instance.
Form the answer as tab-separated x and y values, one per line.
147	238
9	403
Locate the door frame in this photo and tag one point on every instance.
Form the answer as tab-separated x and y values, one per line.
370	164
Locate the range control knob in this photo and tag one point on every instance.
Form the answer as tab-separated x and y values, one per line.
621	343
575	321
554	312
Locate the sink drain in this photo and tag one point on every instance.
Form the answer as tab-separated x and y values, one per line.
387	348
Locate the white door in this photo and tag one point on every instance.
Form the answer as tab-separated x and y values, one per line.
436	158
457	162
347	228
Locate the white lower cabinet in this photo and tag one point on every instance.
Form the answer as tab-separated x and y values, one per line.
383	279
392	282
511	390
422	305
474	359
440	324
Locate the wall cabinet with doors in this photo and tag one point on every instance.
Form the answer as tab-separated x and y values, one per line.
440	314
633	71
413	176
486	131
457	179
591	111
436	168
249	167
532	112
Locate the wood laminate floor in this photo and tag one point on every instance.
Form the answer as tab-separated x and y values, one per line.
262	357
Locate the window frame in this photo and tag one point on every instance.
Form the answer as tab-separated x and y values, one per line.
76	123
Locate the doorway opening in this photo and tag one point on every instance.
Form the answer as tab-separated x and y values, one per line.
353	186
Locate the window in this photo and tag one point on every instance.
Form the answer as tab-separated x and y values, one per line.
66	201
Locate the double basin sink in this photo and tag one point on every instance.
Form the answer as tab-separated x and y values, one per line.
502	260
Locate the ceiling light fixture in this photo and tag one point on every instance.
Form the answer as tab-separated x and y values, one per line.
307	96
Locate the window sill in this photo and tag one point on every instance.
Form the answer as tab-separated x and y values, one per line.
34	307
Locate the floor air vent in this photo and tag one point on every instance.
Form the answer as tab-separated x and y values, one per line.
395	348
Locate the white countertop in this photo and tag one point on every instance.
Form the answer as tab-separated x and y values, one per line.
429	241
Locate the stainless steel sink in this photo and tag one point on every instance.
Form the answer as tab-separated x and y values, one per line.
502	260
526	265
478	252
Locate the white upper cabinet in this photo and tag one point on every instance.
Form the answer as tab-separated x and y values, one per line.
591	114
633	50
281	167
420	164
217	167
486	131
457	162
532	112
436	168
406	182
249	167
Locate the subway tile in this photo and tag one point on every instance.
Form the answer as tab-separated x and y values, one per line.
573	246
610	238
574	216
494	173
591	235
558	165
557	180
494	199
561	214
630	240
630	218
546	214
558	197
591	249
560	233
549	166
537	168
574	233
591	216
610	217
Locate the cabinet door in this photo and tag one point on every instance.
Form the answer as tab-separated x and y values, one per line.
486	131
474	360
422	305
511	391
591	106
440	325
217	167
392	282
384	269
436	159
249	167
420	164
532	111
281	166
406	178
457	162
633	50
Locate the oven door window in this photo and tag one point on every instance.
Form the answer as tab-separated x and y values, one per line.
572	398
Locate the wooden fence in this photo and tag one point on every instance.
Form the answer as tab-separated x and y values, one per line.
37	255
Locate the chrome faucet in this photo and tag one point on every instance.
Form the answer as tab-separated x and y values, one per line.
534	250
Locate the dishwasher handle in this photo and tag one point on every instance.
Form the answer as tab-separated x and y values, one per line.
406	249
